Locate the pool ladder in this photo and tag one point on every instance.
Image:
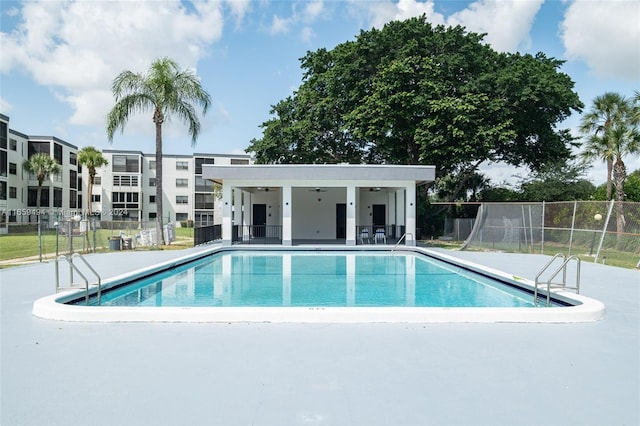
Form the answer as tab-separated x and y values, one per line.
74	267
404	237
563	284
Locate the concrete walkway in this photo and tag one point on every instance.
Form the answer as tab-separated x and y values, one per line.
57	373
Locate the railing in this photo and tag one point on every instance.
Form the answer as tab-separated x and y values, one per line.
73	267
404	236
205	234
257	234
563	269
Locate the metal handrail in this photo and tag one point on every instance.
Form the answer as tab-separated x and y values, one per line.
75	268
563	269
400	240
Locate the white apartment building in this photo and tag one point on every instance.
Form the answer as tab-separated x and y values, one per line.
61	193
123	190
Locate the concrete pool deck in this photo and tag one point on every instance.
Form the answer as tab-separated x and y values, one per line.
63	373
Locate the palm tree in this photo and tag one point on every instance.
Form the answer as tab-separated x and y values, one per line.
607	110
91	158
166	90
43	166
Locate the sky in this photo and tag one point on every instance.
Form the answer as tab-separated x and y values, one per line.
58	59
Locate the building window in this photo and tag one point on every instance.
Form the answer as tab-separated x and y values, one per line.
73	179
97	180
57	197
124	200
125	180
3	190
32	195
239	161
152	164
152	181
182	199
57	153
39	148
203	185
73	199
13	168
4	134
13	192
181	217
181	183
73	158
204	201
182	165
3	163
13	144
152	198
95	198
125	164
152	215
200	162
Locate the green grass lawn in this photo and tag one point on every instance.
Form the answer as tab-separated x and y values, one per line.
16	246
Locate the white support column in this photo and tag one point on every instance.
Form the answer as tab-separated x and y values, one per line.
237	206
410	203
352	208
226	215
246	217
286	215
392	207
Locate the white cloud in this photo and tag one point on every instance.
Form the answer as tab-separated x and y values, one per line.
380	12
507	23
5	106
311	10
605	35
280	25
306	34
79	47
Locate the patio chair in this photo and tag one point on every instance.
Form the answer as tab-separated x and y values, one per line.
380	236
364	236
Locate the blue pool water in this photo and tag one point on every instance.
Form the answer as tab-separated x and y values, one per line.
327	279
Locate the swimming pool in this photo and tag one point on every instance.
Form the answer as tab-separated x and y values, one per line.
318	285
317	279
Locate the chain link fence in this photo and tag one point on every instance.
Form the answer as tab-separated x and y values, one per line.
604	231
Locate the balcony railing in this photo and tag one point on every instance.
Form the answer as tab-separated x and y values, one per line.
257	234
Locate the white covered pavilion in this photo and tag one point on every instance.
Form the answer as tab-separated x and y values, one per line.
340	203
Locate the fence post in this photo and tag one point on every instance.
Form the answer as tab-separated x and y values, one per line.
604	231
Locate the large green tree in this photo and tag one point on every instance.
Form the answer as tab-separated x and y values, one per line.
412	93
166	90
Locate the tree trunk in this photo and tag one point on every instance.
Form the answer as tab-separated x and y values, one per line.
158	119
619	176
88	212
609	179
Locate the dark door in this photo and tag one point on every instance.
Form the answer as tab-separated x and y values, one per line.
259	219
341	221
379	217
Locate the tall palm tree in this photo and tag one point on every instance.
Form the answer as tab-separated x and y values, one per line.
43	166
166	90
92	159
607	110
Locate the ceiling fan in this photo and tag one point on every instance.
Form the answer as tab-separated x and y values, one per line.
317	190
